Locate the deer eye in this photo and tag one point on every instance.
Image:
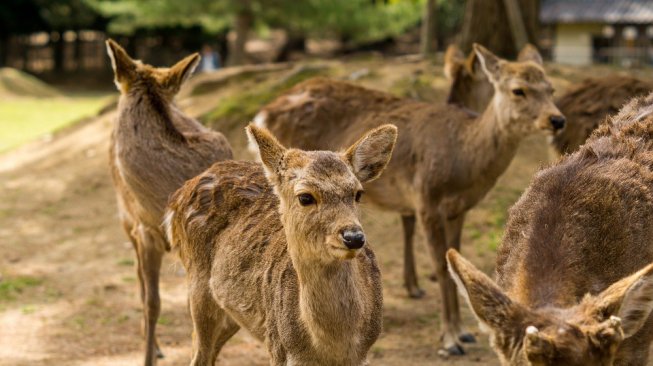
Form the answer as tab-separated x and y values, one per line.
519	92
359	194
306	199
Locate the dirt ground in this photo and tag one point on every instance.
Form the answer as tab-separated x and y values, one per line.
68	283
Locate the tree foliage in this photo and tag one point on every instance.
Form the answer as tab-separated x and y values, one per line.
355	20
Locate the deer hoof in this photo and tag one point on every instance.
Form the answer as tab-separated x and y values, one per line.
416	293
454	350
159	354
467	338
433	277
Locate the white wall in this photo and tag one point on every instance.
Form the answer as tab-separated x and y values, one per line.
573	43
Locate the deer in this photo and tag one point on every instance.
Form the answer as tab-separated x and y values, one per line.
445	161
586	104
154	149
278	249
574	273
589	103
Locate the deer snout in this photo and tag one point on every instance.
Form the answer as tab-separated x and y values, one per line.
558	122
353	238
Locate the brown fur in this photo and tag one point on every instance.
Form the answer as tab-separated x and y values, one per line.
445	160
589	103
585	105
154	149
470	87
257	258
573	253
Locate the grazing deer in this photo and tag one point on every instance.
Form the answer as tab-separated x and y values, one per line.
279	250
585	105
154	149
574	273
446	159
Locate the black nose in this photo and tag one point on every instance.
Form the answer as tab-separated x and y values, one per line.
558	122
353	239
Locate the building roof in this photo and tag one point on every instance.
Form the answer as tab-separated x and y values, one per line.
596	11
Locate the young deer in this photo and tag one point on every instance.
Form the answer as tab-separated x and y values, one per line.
446	160
279	250
574	272
154	149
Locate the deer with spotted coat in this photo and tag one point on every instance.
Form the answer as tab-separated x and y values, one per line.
574	274
278	249
154	149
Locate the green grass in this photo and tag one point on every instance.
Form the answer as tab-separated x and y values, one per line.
25	119
11	287
244	105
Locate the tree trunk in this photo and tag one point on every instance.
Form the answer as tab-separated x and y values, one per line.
59	53
516	23
244	21
503	26
429	38
79	53
4	50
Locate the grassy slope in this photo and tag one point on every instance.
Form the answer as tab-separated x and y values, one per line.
24	119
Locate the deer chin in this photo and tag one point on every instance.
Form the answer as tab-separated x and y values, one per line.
341	252
545	127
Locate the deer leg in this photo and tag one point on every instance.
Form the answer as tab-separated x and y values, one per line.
150	255
212	327
410	274
133	237
453	229
433	223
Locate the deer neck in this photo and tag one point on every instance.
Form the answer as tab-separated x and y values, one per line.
494	142
147	112
330	303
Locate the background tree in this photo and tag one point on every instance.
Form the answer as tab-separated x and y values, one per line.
355	21
428	38
501	25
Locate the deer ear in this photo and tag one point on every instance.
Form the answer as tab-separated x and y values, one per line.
630	299
490	63
530	53
453	61
270	151
371	153
181	71
124	68
494	310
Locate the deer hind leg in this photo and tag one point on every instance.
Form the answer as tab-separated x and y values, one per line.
150	255
134	236
410	273
453	229
433	223
212	326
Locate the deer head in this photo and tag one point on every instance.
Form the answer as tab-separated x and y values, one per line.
523	96
587	333
319	191
470	87
133	74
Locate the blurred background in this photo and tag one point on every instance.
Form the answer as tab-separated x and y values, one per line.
67	283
